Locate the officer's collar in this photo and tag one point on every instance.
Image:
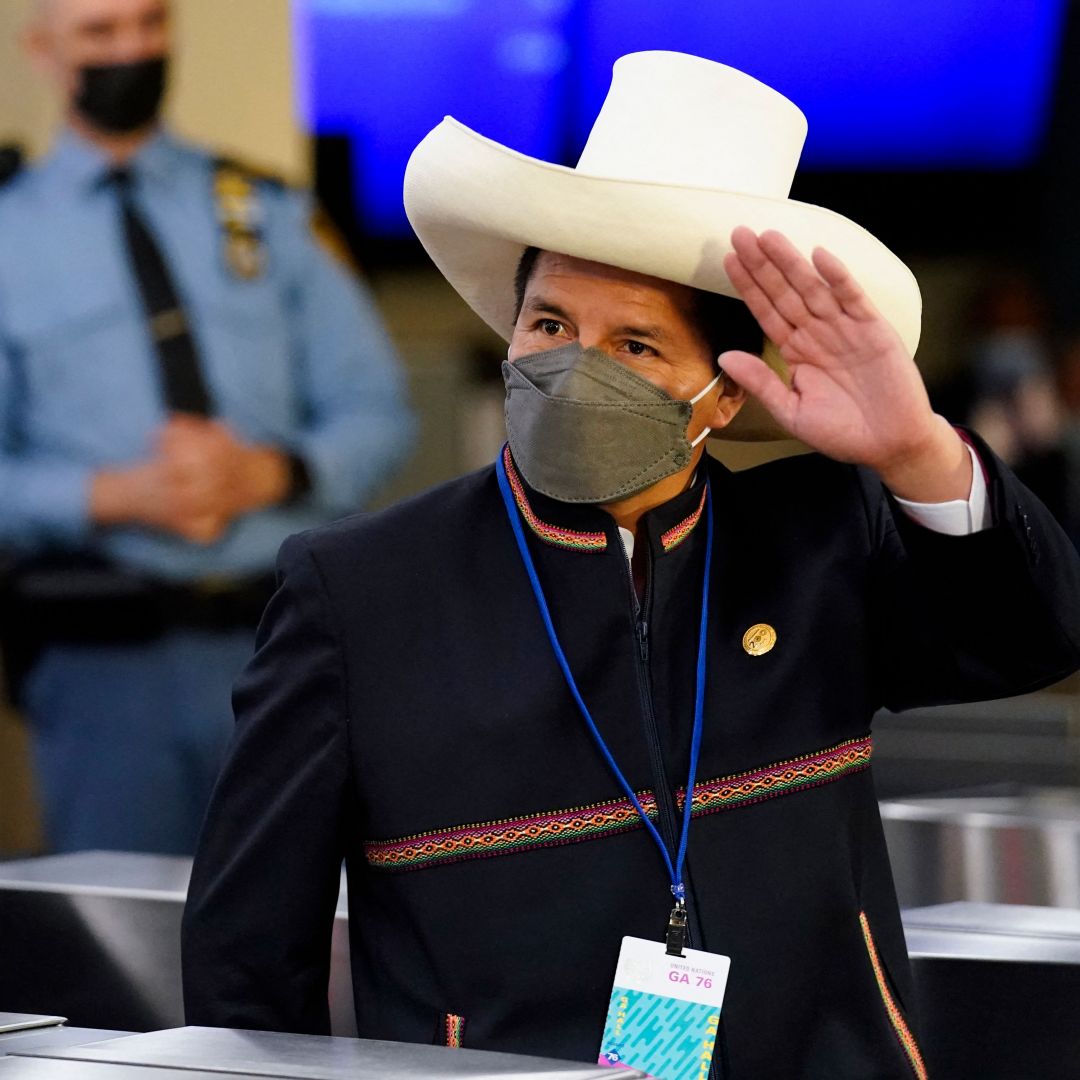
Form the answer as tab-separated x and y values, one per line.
585	528
76	163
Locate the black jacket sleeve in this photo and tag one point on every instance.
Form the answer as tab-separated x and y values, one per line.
967	618
260	908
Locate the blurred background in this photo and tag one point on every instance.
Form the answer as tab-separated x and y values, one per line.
950	131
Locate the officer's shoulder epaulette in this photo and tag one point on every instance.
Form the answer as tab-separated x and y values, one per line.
224	164
11	162
236	186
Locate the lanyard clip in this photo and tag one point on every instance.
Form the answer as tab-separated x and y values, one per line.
676	931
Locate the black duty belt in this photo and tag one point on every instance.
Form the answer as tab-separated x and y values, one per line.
89	601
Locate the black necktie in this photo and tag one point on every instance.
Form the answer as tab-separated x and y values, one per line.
182	380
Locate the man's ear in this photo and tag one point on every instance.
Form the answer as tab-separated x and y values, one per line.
731	400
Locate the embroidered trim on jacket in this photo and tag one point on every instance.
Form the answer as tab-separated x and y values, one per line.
507	835
780	779
510	834
455	1030
903	1032
550	534
678	533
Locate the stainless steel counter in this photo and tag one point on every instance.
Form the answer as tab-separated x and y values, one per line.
40	1069
10	1022
51	1038
197	1052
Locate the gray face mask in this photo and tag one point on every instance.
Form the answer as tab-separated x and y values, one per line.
584	428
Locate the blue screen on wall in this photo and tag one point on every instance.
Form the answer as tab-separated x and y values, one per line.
921	85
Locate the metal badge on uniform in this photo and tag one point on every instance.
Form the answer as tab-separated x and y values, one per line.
759	639
244	256
239	212
665	1011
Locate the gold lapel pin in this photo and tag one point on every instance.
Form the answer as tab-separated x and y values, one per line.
759	639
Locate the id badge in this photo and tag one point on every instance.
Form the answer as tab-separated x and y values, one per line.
665	1011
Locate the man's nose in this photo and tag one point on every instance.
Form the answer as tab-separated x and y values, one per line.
591	340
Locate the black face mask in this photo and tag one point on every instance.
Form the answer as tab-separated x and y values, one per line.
119	98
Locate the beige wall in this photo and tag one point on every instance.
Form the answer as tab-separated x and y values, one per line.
25	109
232	87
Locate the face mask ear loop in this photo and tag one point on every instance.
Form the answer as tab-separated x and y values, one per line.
701	393
705	432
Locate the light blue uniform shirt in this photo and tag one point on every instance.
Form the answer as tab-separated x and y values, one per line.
296	358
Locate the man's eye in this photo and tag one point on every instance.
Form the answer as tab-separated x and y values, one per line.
638	348
551	327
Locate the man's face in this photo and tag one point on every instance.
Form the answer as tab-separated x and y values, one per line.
643	322
71	34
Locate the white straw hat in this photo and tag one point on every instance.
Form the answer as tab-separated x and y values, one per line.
684	150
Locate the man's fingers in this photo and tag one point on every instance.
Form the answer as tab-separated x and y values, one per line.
843	285
776	327
768	276
800	275
757	378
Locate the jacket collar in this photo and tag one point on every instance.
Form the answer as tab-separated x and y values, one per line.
586	528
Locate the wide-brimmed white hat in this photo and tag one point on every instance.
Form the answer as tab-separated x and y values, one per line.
684	150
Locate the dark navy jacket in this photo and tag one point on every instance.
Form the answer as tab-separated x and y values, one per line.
404	712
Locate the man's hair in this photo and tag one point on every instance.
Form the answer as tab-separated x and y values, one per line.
724	322
526	265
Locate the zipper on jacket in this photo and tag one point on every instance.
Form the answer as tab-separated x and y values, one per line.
665	801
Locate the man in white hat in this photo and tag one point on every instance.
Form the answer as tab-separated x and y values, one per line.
501	731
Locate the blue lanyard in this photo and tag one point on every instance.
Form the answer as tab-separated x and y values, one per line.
675	869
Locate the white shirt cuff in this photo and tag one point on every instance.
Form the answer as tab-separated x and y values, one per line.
960	517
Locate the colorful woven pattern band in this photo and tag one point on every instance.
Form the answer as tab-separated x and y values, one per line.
504	837
510	834
455	1030
550	534
780	779
678	533
896	1018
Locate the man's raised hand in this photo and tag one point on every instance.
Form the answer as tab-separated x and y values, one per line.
855	394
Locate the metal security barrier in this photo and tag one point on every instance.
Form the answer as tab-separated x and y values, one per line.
1032	740
22	1033
1006	844
203	1053
998	990
95	935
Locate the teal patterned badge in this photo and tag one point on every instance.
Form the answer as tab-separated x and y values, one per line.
664	1013
664	1037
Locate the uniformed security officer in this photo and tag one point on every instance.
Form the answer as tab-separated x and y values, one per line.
185	379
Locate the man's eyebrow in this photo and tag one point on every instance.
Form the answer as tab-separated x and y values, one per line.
654	332
539	303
